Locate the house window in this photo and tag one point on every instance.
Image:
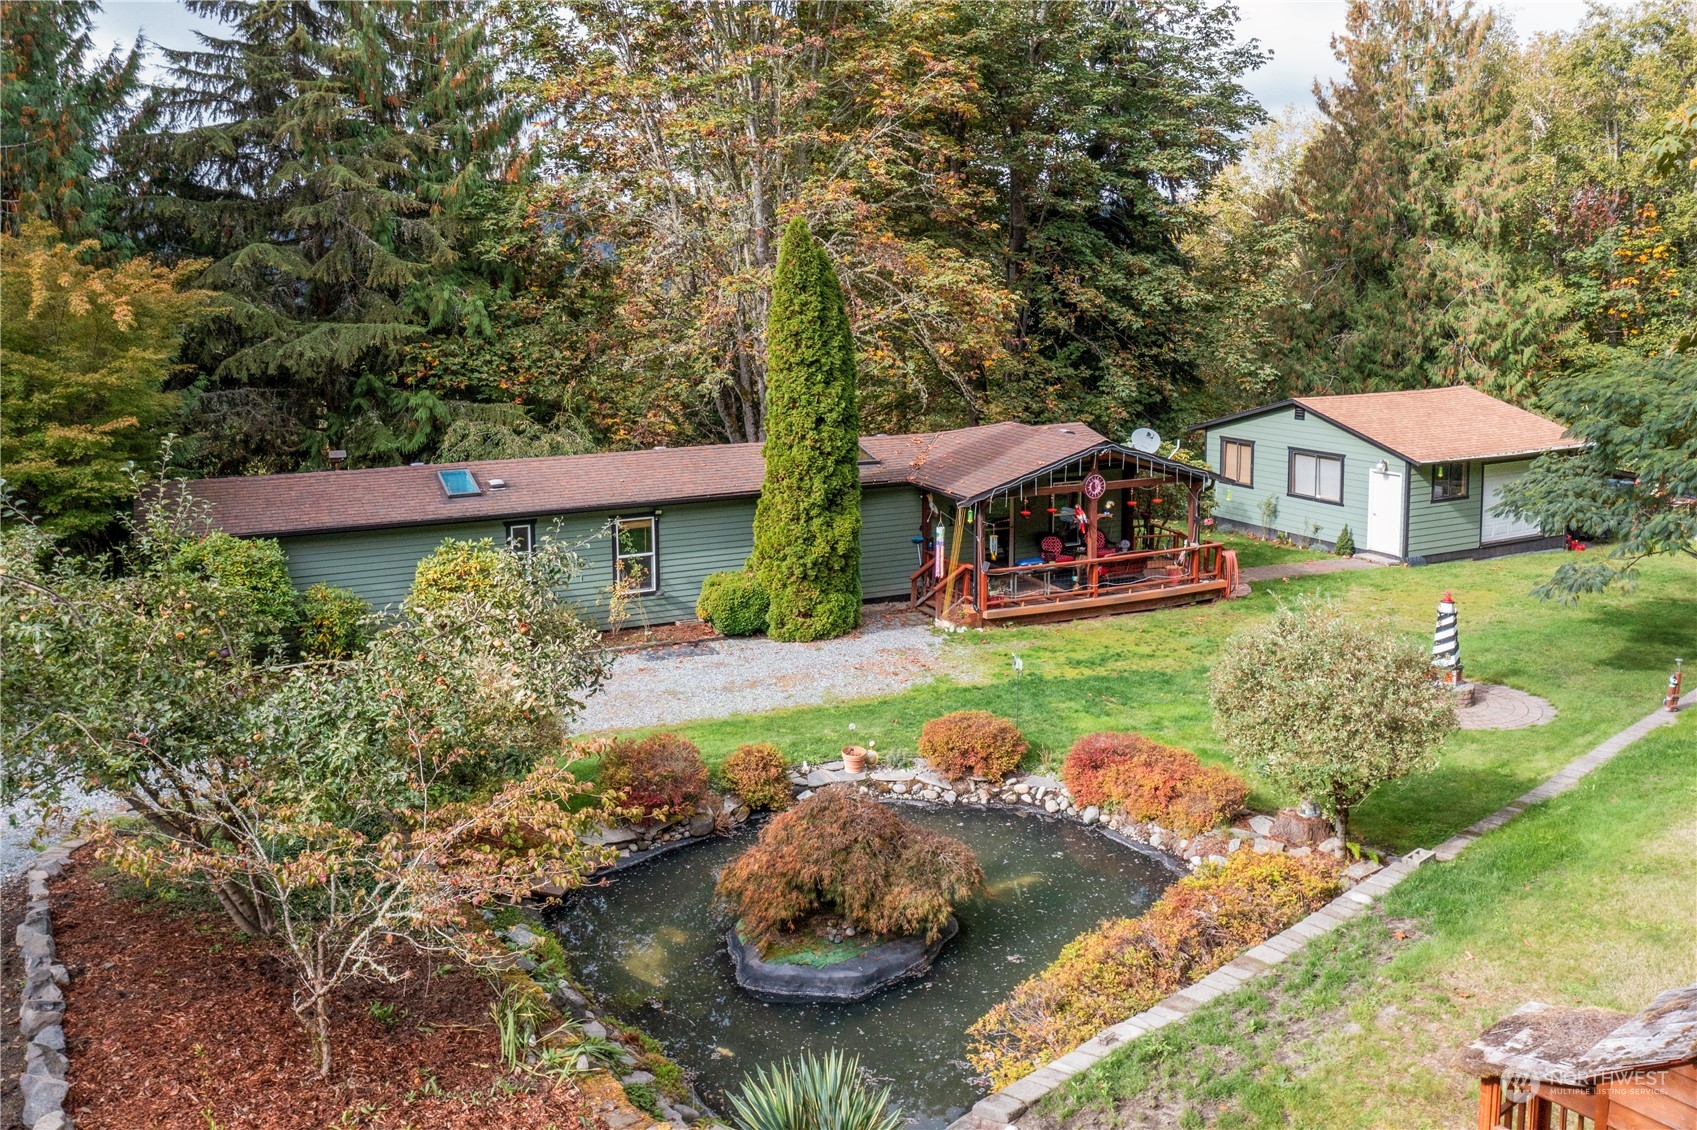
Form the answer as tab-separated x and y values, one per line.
1449	480
636	559
521	536
1317	476
1237	462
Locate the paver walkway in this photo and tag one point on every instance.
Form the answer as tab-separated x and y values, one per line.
1308	568
1497	707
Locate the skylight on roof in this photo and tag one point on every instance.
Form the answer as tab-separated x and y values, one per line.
459	482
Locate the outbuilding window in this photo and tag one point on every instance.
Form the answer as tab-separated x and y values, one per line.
636	555
1316	475
1449	480
1237	462
521	536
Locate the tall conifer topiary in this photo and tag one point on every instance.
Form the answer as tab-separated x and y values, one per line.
807	525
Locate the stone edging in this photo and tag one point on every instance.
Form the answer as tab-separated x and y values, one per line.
1004	1106
41	1016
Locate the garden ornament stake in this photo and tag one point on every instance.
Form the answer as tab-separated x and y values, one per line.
1446	647
1673	686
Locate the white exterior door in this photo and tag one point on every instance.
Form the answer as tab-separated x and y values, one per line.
1384	511
1500	527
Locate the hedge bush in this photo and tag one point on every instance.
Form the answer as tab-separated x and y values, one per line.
334	622
255	567
734	603
662	776
758	774
842	853
455	568
1125	965
1150	781
972	743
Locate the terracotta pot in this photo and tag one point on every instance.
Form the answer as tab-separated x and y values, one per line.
854	758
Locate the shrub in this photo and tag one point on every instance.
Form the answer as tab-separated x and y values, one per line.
1150	781
734	603
758	774
1327	707
333	622
643	1098
844	853
1126	965
455	568
813	1093
972	743
662	775
1345	546
254	567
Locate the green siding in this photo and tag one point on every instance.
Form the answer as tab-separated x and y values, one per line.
1274	434
694	540
889	521
1444	527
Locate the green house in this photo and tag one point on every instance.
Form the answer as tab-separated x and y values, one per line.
662	519
1416	476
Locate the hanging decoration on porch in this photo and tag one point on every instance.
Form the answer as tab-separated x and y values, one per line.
937	556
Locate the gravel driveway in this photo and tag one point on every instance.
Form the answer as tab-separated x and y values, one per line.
19	825
718	678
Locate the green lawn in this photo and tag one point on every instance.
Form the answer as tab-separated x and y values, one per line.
1585	900
1257	551
1602	663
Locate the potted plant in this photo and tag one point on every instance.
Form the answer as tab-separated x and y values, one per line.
854	758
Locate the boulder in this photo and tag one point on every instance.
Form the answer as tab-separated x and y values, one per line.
52	1036
43	1095
612	837
1091	815
1261	825
1268	847
1294	828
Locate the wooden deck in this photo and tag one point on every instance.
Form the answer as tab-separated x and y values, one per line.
1170	574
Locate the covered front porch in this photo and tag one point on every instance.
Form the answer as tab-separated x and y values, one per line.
1108	530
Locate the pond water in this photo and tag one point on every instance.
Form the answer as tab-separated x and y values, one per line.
649	944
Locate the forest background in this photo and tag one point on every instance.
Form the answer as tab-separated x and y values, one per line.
462	229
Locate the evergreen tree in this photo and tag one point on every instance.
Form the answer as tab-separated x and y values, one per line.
807	523
56	112
1413	268
326	158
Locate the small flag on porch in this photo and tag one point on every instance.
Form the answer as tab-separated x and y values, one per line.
1446	646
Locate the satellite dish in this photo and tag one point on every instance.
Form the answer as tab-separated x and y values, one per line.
1146	440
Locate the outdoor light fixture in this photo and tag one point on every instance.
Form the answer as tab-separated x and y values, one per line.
1381	466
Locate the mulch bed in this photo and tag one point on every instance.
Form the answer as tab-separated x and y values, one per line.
173	1020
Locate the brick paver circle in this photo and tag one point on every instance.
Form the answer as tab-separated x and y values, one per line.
1503	708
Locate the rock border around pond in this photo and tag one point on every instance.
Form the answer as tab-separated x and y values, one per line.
1044	795
854	979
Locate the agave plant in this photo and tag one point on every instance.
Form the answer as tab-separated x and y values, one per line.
813	1094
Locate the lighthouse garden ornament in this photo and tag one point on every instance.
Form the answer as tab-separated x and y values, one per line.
1446	646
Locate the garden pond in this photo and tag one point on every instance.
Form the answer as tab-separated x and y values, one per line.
650	944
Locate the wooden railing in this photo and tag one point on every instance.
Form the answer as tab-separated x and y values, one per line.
1550	1107
1087	578
923	585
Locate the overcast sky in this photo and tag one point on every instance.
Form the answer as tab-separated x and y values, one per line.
1299	33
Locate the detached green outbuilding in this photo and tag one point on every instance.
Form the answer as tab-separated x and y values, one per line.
1416	475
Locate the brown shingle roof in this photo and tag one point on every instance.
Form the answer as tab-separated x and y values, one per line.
963	464
1434	425
1439	425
